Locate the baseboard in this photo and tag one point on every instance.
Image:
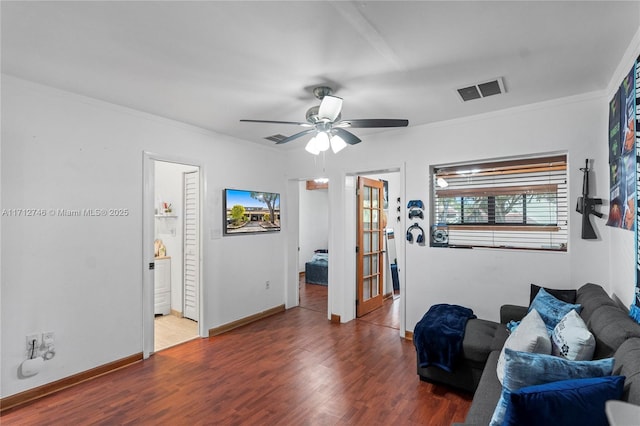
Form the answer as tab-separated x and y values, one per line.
408	335
244	321
49	388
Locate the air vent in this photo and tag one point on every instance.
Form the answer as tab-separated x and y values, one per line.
276	138
482	90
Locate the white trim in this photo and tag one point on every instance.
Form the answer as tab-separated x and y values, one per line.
403	258
148	211
290	205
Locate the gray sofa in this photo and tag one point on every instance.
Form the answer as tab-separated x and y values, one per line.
616	335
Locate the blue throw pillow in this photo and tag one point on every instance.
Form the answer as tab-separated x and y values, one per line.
576	402
522	369
551	310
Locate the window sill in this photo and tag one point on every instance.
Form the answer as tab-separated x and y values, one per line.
519	228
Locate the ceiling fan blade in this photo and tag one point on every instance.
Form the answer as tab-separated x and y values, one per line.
348	137
297	123
330	108
296	136
373	122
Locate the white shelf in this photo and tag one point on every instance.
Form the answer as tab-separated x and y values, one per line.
174	216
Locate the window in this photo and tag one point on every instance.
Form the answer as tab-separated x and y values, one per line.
505	204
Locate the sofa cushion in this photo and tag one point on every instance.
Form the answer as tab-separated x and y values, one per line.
487	394
568	296
611	326
551	310
627	363
572	339
510	313
479	338
591	297
530	336
527	369
567	402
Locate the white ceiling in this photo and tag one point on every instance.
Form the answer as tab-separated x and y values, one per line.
211	63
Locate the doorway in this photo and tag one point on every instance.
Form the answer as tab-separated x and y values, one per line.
313	256
342	241
173	236
377	243
176	242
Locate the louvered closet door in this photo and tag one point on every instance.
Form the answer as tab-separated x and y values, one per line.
191	250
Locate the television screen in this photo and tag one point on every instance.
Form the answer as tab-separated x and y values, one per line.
247	212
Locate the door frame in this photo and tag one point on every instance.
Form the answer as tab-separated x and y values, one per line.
350	226
342	236
148	236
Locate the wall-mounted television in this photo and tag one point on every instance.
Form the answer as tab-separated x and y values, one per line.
250	212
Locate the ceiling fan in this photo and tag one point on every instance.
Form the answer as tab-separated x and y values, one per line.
325	120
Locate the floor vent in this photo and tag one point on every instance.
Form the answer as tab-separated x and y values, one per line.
276	138
482	90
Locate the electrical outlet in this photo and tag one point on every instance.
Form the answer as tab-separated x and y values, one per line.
48	338
30	338
267	284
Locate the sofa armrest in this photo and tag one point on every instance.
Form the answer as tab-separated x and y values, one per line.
512	312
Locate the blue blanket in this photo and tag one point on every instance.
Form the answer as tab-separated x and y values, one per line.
438	335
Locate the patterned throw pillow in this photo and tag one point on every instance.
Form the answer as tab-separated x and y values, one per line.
523	369
551	310
572	339
530	336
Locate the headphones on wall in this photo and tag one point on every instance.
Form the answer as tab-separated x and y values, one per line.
419	238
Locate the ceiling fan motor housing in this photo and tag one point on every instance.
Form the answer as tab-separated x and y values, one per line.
313	117
312	114
321	91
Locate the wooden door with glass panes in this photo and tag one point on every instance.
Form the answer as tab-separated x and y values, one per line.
370	246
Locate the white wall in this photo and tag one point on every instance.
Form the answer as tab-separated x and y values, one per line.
169	187
480	279
81	277
314	223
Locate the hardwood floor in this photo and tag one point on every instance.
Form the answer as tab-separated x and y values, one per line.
314	297
387	316
293	368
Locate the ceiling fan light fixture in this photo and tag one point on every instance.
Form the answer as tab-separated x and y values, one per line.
312	146
337	144
322	141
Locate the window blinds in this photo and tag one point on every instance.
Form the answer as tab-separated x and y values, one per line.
506	204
